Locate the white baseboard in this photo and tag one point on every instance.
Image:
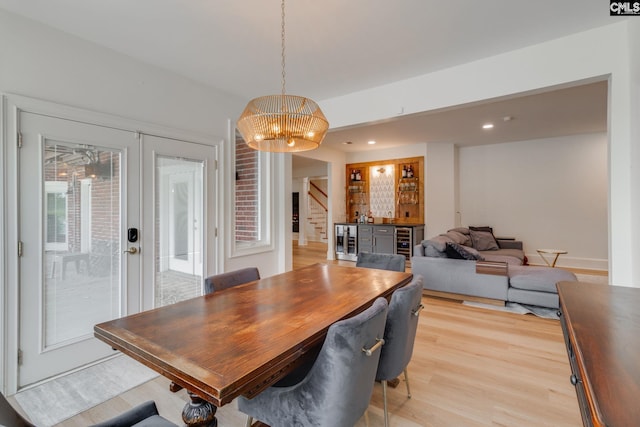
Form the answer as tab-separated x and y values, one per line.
567	261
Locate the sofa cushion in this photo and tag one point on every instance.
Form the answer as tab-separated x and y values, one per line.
541	299
483	240
456	251
510	256
541	279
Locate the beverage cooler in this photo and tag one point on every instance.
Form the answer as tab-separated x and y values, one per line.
346	239
404	241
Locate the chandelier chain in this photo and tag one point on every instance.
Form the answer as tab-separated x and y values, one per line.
283	56
282	123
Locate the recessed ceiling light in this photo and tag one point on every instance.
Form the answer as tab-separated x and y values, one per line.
371	142
487	126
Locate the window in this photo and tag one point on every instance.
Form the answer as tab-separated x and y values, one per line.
252	207
56	224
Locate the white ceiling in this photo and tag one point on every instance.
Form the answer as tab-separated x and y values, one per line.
559	112
334	47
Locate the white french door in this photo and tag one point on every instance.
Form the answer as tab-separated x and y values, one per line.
179	178
81	188
78	190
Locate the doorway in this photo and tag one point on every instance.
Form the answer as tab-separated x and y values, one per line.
310	181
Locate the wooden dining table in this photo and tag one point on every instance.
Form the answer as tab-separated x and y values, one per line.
239	341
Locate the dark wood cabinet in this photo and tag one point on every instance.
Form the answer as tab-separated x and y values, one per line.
601	326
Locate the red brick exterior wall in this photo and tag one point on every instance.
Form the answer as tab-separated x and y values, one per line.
247	201
105	201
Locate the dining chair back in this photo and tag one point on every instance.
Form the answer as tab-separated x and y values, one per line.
229	279
399	336
145	414
222	281
337	389
393	262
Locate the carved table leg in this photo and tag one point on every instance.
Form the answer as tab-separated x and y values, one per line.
199	412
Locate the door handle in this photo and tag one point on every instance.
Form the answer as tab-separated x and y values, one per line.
132	250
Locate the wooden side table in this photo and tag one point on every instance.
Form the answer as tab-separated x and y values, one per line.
555	252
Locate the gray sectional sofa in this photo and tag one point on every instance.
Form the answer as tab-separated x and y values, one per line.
471	262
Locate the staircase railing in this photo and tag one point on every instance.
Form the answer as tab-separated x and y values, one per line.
319	198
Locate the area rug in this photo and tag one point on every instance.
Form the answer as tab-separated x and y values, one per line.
513	307
56	400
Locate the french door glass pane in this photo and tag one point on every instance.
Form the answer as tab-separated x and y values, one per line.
56	215
180	220
178	234
81	219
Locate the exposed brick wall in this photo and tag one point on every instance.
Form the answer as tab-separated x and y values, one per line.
247	203
105	201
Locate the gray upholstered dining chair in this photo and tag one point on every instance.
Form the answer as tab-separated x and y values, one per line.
399	336
143	415
229	279
337	389
9	417
226	280
394	262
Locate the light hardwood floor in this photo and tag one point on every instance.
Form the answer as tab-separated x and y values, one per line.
470	367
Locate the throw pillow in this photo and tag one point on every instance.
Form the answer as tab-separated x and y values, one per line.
432	251
483	240
456	251
438	242
463	230
458	238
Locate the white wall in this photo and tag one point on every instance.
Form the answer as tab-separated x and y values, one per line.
549	193
44	63
441	188
592	55
317	169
